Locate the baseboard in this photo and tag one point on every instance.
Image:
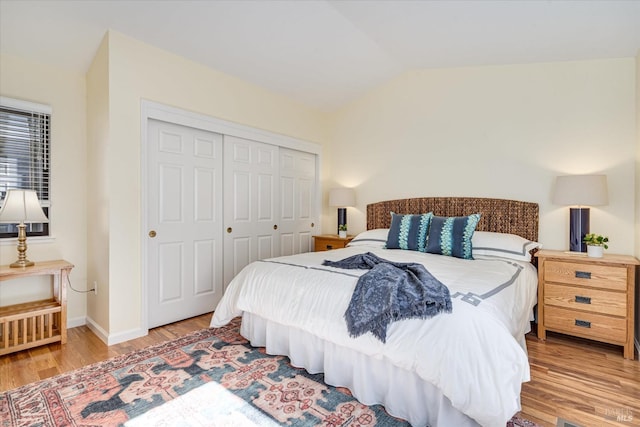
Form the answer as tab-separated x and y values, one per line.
76	321
111	339
97	330
126	336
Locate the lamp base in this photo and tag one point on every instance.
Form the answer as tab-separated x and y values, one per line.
22	248
578	228
22	263
342	217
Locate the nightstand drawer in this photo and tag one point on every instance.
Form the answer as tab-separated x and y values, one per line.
587	299
327	242
586	325
593	275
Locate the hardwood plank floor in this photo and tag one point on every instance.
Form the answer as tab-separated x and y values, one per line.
581	381
578	380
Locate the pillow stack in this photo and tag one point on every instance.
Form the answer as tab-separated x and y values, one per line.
450	236
503	245
409	231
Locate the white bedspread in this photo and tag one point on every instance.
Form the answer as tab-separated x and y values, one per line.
476	355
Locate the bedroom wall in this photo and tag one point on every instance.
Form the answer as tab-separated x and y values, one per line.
637	194
637	198
138	71
494	131
98	188
64	91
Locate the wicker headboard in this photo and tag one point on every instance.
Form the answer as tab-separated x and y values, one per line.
499	215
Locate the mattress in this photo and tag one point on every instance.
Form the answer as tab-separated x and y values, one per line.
464	367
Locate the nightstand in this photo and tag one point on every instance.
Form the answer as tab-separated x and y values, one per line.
587	297
326	242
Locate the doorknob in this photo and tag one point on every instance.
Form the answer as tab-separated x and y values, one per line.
313	224
275	226
229	229
152	233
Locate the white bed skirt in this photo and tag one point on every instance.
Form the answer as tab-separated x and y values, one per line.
372	381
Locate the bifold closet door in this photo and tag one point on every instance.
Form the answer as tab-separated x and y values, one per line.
251	201
298	201
184	217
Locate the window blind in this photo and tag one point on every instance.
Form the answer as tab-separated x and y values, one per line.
24	149
24	156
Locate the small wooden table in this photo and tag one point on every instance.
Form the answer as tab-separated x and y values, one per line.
35	323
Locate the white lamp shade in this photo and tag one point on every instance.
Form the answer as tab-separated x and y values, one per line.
581	190
21	206
342	197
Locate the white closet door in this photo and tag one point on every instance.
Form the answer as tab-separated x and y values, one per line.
184	217
251	203
297	201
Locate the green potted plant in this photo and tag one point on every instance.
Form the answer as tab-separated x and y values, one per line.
342	231
596	244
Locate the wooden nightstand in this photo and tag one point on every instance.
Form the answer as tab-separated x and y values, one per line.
326	242
587	297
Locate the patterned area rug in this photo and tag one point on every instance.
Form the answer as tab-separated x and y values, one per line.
175	383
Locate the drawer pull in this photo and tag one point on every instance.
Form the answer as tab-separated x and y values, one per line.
583	323
583	300
329	247
583	274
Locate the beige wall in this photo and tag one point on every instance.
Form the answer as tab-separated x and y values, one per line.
65	93
499	131
138	71
637	192
511	129
637	199
98	195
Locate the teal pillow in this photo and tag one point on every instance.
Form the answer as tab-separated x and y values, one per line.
451	236
409	231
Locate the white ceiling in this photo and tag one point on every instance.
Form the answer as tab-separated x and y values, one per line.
324	53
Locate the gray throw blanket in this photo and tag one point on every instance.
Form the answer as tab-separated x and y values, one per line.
390	291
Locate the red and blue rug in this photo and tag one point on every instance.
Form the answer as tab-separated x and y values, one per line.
212	377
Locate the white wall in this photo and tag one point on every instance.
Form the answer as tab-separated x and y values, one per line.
98	194
495	131
637	199
138	71
65	92
637	192
512	129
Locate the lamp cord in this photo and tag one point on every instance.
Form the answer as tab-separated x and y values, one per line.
80	292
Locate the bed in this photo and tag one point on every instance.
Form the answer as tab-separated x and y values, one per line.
463	368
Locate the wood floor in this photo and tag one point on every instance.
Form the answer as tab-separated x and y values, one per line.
580	381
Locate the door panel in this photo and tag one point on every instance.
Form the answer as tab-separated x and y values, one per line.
170	188
251	203
266	246
287	244
204	252
184	265
170	266
297	200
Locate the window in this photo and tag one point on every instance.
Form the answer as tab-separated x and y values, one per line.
24	156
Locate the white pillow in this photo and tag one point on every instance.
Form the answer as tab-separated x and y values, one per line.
486	243
377	238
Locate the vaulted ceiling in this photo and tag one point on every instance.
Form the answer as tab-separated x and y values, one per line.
324	53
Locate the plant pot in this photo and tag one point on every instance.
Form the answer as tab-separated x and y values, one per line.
595	251
342	234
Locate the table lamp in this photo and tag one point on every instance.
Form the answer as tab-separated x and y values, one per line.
22	207
342	198
581	191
